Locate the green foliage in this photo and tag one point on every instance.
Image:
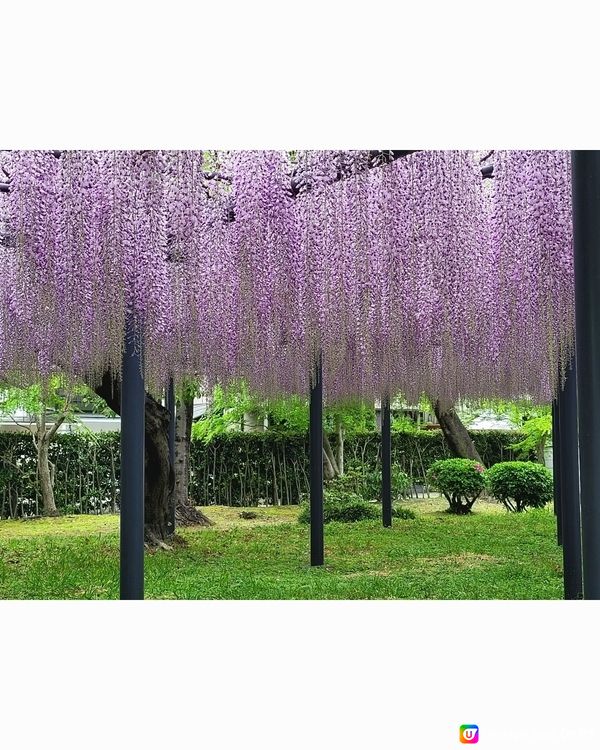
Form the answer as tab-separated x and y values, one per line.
403	513
345	507
520	484
402	423
367	483
55	397
227	410
228	407
518	412
460	480
400	482
536	432
355	417
285	415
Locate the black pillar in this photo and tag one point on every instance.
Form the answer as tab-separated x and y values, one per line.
315	443
556	468
569	490
133	400
586	245
386	462
171	408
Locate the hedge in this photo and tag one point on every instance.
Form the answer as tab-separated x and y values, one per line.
238	468
86	479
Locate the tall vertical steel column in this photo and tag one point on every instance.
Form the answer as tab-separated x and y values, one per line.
556	468
133	402
171	408
586	246
569	486
386	462
315	443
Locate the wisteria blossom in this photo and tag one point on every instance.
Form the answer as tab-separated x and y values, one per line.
413	275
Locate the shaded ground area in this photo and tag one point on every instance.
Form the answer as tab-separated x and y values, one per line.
488	555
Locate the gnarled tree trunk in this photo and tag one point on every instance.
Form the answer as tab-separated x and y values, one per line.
458	439
159	474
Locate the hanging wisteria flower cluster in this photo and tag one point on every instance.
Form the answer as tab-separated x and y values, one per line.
405	275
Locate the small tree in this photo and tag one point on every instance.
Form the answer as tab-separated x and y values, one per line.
47	408
460	480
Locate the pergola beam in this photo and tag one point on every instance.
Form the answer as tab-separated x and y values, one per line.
315	447
556	468
133	403
386	462
570	514
586	247
171	408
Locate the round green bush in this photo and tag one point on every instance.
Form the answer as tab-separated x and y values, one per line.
460	480
520	484
347	508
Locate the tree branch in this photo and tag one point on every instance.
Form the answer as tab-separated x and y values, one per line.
57	423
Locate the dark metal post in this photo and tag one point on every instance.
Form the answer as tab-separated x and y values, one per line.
386	462
556	467
171	408
586	246
315	443
133	401
569	490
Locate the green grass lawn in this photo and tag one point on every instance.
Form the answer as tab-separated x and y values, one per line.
488	555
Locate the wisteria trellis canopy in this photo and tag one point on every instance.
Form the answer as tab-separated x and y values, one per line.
413	276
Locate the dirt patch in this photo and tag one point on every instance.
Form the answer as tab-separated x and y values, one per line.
460	561
231	517
376	573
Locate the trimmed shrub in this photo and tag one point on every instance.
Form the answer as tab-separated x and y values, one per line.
403	513
371	489
520	484
460	480
345	507
367	483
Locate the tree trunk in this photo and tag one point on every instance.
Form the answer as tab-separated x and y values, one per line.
183	431
159	475
328	470
186	514
330	465
458	439
45	475
539	451
340	446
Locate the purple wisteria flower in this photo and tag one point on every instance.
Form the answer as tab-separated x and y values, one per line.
413	276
